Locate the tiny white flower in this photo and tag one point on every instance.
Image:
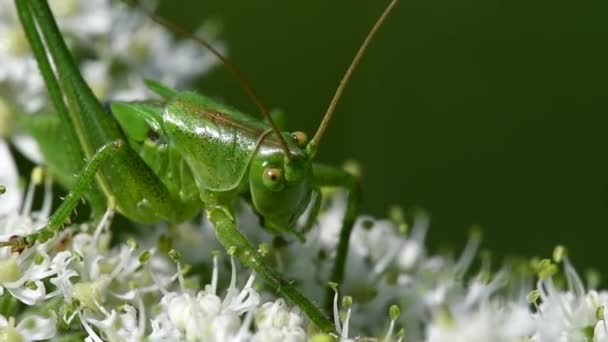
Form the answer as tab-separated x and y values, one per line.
206	316
18	70
569	314
97	75
149	51
14	51
62	280
331	221
275	321
600	332
120	39
30	328
485	324
22	274
84	19
27	146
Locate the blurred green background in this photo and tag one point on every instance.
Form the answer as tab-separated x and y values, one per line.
480	111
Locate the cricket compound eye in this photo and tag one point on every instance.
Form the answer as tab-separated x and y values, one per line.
273	179
300	138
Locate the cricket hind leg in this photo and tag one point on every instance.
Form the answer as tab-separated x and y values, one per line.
71	158
140	194
329	176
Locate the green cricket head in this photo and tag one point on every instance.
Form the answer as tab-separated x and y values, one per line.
281	185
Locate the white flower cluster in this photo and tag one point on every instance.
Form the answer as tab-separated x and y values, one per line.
440	298
125	292
79	283
117	49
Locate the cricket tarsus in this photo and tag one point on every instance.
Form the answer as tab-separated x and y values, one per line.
314	142
231	67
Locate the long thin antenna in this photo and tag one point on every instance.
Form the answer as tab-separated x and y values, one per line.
231	67
314	143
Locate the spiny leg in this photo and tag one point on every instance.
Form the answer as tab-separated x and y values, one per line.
331	176
59	217
235	242
140	194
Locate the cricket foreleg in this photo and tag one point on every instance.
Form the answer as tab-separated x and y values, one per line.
237	244
59	217
330	176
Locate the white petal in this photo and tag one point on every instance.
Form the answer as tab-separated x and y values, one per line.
209	304
600	333
11	200
164	330
38	272
82	243
61	260
97	75
28	146
180	311
106	323
28	296
36	328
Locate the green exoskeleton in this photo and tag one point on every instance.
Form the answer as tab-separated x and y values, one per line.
164	160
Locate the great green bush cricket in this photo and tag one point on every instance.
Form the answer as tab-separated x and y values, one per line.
164	160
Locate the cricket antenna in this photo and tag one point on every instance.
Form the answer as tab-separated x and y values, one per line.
231	67
314	142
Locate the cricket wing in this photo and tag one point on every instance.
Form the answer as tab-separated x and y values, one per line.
216	141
